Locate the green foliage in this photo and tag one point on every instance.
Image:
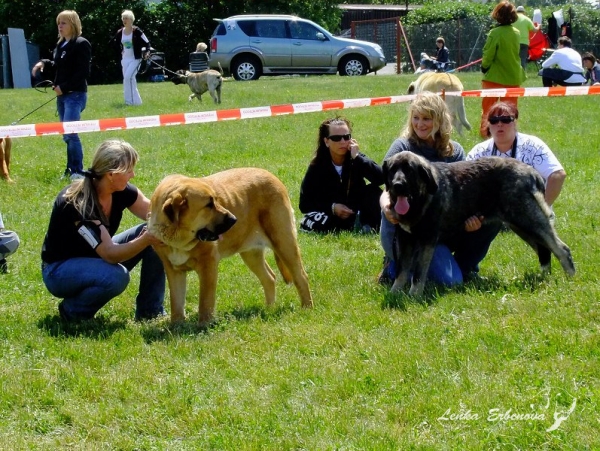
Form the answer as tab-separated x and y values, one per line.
440	11
363	370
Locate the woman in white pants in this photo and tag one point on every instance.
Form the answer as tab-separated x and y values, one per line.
133	45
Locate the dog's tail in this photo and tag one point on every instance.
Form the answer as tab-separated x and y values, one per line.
220	68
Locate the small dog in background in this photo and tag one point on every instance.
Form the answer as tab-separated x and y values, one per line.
200	82
5	146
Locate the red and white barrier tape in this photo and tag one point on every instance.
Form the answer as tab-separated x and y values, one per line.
129	123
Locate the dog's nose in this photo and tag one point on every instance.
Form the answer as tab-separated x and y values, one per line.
228	223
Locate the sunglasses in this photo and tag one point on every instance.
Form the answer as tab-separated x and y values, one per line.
338	138
504	119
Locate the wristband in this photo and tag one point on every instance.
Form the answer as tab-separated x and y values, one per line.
333	209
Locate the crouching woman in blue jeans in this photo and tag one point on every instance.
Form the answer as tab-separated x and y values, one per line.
83	261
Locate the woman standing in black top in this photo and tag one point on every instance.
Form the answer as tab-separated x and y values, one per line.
71	62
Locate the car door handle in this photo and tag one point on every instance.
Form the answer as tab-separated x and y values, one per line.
297	43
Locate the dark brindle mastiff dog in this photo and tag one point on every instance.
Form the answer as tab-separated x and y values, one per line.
200	82
202	220
433	200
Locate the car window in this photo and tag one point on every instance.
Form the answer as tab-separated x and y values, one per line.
220	30
248	27
303	30
270	29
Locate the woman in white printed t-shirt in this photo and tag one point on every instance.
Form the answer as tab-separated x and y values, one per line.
133	45
507	142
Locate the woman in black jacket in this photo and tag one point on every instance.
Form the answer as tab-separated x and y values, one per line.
133	45
334	194
71	63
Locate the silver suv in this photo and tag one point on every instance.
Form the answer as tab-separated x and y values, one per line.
249	46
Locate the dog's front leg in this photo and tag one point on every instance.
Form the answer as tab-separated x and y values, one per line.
423	258
404	254
208	274
177	291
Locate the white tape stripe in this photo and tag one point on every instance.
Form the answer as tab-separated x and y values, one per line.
55	128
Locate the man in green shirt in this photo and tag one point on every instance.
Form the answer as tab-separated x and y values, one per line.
524	25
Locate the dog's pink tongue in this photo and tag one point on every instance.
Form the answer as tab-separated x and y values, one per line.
401	206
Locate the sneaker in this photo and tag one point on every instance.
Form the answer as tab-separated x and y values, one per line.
76	176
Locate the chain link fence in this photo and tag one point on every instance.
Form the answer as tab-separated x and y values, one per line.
464	38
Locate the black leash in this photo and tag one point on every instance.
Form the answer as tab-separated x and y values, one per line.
38	87
156	64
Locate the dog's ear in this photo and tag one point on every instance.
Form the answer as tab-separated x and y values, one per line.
411	88
386	170
174	206
428	176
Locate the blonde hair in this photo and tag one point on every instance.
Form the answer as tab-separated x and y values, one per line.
431	105
127	13
73	18
201	47
112	155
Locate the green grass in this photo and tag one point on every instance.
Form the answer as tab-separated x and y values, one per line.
363	370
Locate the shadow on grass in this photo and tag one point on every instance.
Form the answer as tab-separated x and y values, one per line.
164	331
531	282
97	328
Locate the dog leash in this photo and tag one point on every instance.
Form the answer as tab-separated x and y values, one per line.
45	84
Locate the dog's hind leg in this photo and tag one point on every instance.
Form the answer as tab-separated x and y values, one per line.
255	260
545	240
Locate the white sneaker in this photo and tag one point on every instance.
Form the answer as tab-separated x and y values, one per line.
75	176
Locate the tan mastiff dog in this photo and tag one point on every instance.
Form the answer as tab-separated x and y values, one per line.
5	146
438	81
202	220
200	82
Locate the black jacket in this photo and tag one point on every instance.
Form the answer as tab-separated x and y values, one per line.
322	186
72	64
139	40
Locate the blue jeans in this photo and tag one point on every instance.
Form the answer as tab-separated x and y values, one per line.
87	284
69	107
450	260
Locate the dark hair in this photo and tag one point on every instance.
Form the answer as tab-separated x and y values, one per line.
589	56
322	151
501	109
440	39
505	13
565	41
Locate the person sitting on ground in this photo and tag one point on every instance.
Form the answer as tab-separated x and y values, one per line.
83	261
505	141
427	133
442	54
524	24
334	195
563	67
199	58
592	68
9	243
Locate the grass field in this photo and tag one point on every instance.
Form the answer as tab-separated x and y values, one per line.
489	365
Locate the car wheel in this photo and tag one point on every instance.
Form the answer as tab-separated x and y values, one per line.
246	68
353	65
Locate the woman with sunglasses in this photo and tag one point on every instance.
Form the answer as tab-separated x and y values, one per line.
427	133
334	194
506	142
